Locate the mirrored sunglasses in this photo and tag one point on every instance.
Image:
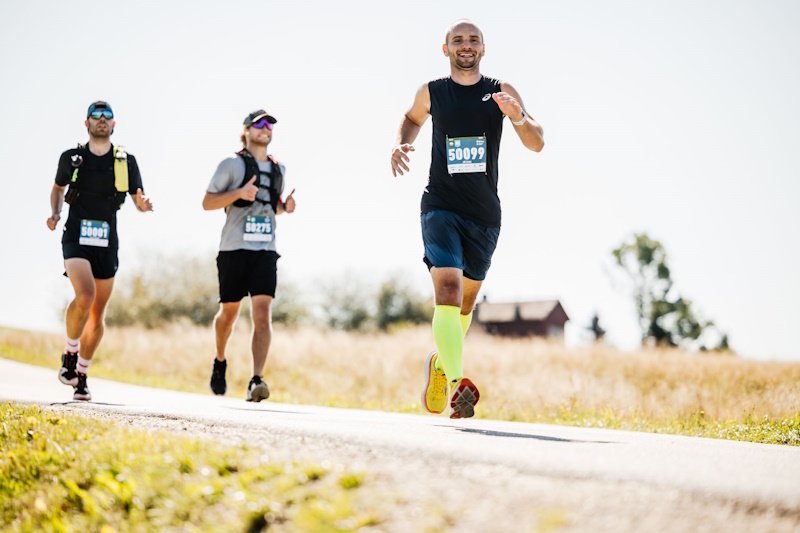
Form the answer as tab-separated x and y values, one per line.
97	113
263	123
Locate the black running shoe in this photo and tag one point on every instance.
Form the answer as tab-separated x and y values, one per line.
257	390
81	389
218	385
67	374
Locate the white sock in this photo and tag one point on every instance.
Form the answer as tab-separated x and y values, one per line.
83	365
73	345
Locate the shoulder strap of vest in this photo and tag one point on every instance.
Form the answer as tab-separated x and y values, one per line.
76	160
251	169
275	184
121	185
120	170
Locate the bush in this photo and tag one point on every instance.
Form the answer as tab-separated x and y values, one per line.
169	289
166	290
345	304
398	304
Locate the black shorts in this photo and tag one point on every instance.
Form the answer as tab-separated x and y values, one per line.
104	261
243	272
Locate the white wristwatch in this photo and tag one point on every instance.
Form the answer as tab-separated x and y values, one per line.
521	121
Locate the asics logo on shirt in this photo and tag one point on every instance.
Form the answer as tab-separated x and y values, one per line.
486	97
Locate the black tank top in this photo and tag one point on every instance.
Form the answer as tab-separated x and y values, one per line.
460	111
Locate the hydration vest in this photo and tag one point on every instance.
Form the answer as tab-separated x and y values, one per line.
275	175
120	176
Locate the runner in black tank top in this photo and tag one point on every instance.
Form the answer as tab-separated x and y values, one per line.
89	243
460	208
464	111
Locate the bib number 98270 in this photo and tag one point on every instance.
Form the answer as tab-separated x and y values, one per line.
257	229
466	154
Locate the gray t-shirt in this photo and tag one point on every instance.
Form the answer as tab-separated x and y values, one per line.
246	228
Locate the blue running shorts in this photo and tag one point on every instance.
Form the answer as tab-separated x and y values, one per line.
453	241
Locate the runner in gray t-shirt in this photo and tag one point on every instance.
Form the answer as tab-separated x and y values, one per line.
230	176
247	260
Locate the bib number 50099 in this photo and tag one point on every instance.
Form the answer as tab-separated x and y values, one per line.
466	154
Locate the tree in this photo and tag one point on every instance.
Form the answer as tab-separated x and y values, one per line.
345	303
289	306
164	289
664	316
596	329
168	288
399	304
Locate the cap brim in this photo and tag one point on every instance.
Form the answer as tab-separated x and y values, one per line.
270	118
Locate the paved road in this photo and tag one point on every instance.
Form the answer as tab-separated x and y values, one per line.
590	479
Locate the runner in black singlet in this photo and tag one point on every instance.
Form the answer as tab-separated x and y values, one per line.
99	176
460	207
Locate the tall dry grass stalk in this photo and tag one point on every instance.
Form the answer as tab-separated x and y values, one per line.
519	379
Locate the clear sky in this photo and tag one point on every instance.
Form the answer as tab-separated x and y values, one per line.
676	118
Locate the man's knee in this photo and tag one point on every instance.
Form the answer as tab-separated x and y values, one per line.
84	299
227	315
448	293
96	322
262	311
448	288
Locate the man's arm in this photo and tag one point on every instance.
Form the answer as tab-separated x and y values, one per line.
140	200
229	172
218	200
510	103
409	128
56	203
288	205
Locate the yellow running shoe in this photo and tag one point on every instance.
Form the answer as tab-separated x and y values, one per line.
463	399
434	395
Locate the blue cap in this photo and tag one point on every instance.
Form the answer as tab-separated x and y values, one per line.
98	105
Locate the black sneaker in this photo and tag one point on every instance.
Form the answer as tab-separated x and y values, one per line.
67	374
218	385
257	390
81	389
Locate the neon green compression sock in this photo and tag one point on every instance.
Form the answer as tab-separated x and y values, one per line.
449	339
466	320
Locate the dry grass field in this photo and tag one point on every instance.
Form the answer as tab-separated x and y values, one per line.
526	380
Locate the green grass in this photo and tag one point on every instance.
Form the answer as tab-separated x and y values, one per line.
39	357
765	430
658	392
64	473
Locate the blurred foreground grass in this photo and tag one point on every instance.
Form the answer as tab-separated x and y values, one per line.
68	473
531	380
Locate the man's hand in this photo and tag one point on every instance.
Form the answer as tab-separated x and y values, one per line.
508	105
399	158
248	191
53	220
289	204
142	202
